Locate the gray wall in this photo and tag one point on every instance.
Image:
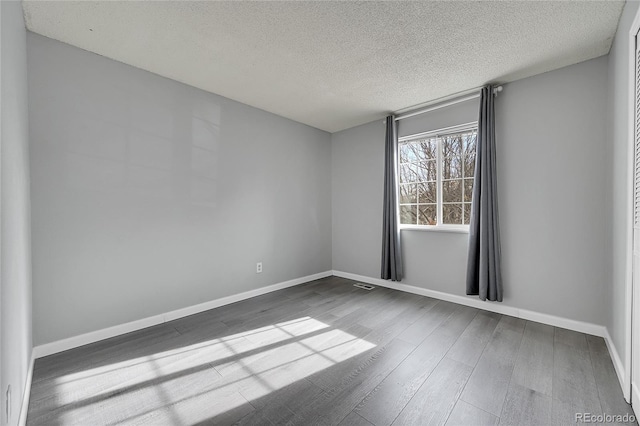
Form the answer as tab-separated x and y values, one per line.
150	195
553	185
357	161
618	110
15	258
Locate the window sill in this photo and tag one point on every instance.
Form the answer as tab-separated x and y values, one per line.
441	228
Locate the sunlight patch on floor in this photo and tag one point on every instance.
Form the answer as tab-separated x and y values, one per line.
179	385
174	360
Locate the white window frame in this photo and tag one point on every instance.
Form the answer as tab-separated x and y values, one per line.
439	227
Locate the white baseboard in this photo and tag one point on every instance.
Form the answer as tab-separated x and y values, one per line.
473	301
94	336
617	364
22	420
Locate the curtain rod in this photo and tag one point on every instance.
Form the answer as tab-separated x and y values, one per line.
446	101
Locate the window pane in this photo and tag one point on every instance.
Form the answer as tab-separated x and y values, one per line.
452	191
407	153
408	194
451	168
437	169
469	165
427	149
427	171
469	144
467	213
452	145
452	214
427	214
408	173
408	214
427	192
468	189
469	147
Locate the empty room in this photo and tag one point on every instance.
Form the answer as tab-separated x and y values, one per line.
319	212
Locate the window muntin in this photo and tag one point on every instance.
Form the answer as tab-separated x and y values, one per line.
435	177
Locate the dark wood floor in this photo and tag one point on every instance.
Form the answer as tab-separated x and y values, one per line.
329	353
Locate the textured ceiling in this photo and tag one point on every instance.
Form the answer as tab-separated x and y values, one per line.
334	65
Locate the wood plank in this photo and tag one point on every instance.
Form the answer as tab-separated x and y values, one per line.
138	343
429	321
328	284
127	377
313	348
379	337
207	408
354	419
296	361
357	381
465	414
470	345
253	304
279	407
388	399
379	317
524	407
260	418
436	398
534	367
571	338
565	414
73	373
573	380
266	316
134	398
488	384
203	320
611	397
339	306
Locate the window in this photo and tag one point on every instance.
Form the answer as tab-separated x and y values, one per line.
436	176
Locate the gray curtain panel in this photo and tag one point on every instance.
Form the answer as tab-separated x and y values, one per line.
391	255
484	277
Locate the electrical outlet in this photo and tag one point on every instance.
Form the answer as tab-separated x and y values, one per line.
8	402
258	267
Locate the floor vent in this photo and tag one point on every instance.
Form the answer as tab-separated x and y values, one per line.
364	286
